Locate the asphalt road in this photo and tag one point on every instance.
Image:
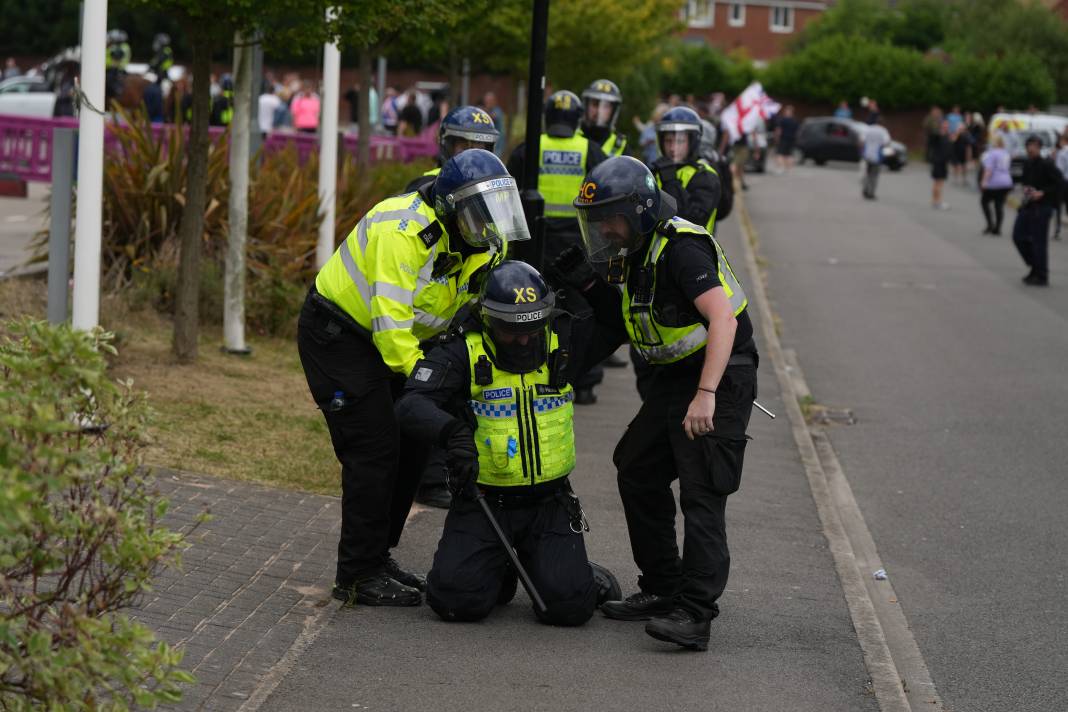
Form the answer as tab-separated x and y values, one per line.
784	640
958	376
20	218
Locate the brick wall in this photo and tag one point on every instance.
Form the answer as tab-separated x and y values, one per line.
755	35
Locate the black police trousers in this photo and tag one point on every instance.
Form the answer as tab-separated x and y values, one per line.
471	566
654	452
378	477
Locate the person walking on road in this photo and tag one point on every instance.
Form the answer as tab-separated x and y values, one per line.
939	151
786	128
1042	185
396	282
496	396
683	308
995	183
876	138
1061	161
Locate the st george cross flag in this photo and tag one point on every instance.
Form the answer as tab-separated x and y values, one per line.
741	116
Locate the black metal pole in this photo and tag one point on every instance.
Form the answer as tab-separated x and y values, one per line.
524	577
533	203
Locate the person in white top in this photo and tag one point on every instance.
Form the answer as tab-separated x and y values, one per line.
269	102
875	139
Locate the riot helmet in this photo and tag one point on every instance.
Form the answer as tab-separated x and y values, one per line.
116	36
602	101
160	41
678	134
465	127
476	199
619	206
515	308
563	111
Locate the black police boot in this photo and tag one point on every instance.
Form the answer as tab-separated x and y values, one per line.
681	628
607	585
407	578
434	496
377	590
509	586
585	396
640	606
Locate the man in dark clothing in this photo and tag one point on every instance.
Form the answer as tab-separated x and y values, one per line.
1041	183
686	313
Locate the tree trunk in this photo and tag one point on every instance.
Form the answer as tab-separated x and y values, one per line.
191	227
240	129
363	143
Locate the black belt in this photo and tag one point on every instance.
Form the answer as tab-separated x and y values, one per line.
507	498
326	306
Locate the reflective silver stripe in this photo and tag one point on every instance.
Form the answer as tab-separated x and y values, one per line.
425	272
429	320
673	352
386	216
355	274
731	286
385	323
392	291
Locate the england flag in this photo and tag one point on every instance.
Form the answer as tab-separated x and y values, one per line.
741	116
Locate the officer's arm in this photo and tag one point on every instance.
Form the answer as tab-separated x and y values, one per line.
701	198
515	162
397	260
594	155
598	337
440	378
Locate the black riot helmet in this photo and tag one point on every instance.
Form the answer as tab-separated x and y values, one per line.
601	101
516	305
563	111
160	41
465	127
618	207
678	134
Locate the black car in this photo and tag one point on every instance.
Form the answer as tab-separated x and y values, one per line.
828	138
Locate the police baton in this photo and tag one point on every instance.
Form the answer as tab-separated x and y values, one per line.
523	576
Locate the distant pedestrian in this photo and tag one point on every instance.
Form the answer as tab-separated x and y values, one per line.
876	138
873	112
389	110
268	104
955	119
1042	185
785	138
843	111
932	127
11	68
995	183
939	153
647	139
1060	159
489	103
305	109
409	118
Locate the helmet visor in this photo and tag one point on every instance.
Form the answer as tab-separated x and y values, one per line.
490	212
608	230
676	145
601	112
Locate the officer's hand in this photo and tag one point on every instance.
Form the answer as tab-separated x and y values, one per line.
572	269
462	458
698	420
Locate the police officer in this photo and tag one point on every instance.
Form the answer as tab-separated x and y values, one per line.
399	278
602	101
497	398
222	105
680	171
683	308
115	62
462	128
162	55
565	156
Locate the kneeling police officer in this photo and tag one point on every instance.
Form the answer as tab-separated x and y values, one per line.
497	398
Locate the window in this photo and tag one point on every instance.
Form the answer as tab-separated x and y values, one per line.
701	13
782	19
736	15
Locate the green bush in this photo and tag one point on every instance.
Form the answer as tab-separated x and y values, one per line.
79	530
985	82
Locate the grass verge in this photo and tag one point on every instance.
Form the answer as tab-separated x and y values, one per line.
243	417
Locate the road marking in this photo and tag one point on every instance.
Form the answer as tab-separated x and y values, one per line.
899	675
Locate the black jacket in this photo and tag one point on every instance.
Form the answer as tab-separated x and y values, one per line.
700	196
1042	174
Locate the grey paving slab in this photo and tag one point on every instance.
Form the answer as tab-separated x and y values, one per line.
20	219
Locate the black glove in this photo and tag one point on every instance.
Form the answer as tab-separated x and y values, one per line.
461	455
571	268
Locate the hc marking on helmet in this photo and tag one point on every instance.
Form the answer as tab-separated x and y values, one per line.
524	295
587	191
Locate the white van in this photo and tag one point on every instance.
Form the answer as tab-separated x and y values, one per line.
1017	127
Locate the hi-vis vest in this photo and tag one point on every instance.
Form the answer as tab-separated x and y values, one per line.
395	276
524	432
685	174
614	145
561	167
663	344
433	171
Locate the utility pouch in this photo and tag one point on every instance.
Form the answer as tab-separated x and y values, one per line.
483	371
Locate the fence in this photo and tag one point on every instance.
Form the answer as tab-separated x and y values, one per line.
26	145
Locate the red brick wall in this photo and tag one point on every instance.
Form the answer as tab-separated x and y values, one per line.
755	36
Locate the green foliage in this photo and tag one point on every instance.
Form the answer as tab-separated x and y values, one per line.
985	82
840	67
917	24
79	530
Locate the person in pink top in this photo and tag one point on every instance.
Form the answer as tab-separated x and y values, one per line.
305	109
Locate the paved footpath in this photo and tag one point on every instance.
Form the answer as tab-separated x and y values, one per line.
253	612
20	219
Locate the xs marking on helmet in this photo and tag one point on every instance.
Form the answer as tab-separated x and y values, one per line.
563	101
524	295
532	316
481	117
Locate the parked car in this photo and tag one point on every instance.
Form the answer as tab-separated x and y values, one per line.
828	138
27	96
